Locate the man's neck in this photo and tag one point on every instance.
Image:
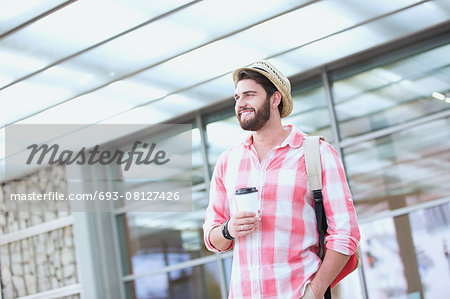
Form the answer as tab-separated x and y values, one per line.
271	135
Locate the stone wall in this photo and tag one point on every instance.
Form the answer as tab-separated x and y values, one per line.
41	262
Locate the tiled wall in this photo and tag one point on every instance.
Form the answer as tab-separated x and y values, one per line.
41	262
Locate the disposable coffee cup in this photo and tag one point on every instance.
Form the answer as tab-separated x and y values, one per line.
247	199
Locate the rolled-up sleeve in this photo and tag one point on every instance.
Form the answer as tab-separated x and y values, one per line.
218	210
343	232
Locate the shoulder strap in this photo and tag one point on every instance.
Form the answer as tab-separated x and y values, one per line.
312	161
314	174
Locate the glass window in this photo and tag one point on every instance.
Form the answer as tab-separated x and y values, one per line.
383	268
152	241
227	263
187	283
197	161
186	169
155	240
310	112
401	169
406	255
394	93
223	134
431	236
350	287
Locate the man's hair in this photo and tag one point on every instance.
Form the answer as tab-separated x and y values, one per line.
262	80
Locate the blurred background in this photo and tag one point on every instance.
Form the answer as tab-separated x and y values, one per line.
373	77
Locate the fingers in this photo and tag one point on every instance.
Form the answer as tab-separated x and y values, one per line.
247	221
244	233
242	225
244	214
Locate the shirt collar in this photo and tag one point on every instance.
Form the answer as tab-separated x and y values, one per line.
294	139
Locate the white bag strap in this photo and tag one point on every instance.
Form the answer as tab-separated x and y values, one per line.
312	161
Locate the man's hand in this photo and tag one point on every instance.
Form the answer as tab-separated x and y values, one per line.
330	268
249	222
242	224
318	294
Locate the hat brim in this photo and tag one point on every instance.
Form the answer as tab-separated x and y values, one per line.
285	96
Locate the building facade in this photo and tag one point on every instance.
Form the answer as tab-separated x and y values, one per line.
385	108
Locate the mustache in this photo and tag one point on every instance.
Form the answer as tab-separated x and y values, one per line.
245	109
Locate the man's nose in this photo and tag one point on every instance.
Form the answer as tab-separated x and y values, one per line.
239	106
240	103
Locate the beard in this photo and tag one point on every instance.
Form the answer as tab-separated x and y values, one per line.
260	118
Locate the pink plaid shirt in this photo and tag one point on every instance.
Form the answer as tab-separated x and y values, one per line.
280	257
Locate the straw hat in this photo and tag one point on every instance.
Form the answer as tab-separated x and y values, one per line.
280	81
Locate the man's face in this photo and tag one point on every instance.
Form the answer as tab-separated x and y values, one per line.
252	105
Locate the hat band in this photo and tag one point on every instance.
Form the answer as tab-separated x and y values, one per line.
274	73
261	69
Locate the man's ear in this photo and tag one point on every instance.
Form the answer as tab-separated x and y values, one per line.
276	99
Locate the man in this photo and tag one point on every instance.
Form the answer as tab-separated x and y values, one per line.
275	252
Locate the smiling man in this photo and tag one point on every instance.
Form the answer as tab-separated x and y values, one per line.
276	251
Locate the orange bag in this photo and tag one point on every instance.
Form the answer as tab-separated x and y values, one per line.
352	264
